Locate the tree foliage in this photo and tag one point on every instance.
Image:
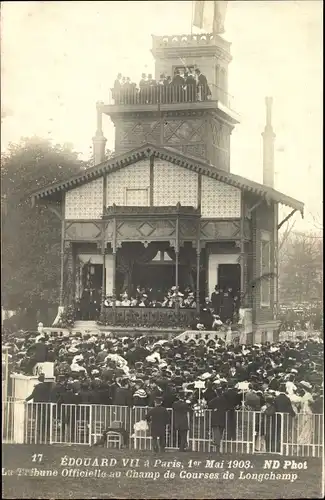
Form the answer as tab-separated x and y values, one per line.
301	268
31	235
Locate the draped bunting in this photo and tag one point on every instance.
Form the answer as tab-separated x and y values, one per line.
135	253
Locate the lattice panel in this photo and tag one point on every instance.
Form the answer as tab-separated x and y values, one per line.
178	131
85	202
219	199
133	177
133	133
173	184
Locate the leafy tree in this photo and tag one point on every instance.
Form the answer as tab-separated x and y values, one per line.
31	235
301	268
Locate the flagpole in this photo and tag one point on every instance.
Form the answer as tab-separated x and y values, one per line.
214	31
192	16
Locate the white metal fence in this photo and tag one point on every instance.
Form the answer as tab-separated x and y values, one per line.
292	335
244	432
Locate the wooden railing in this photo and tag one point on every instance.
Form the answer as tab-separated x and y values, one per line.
148	317
169	94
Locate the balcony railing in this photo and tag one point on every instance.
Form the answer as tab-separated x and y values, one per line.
169	94
148	317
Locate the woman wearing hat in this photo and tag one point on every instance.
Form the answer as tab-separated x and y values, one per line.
305	422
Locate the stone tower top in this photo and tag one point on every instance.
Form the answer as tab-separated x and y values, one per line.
208	52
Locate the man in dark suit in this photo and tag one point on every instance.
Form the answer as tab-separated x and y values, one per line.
177	87
181	410
233	399
41	394
281	404
219	405
158	417
203	86
190	86
216	300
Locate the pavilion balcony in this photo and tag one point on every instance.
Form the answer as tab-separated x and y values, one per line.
167	97
147	317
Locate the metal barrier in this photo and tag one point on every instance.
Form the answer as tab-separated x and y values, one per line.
289	335
245	432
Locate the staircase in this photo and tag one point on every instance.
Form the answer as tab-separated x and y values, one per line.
86	326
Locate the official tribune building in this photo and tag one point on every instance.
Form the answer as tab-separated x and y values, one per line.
148	234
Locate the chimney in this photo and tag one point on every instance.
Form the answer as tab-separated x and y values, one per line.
268	146
99	141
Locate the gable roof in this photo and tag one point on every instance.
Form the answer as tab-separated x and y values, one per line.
172	155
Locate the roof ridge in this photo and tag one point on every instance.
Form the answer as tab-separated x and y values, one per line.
170	154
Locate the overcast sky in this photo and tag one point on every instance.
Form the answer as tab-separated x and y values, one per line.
59	58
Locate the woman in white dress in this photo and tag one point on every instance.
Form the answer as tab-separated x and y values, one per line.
305	420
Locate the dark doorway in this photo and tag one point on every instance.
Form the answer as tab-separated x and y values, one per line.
229	276
90	302
92	276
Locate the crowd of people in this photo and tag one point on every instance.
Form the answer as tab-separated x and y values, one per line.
189	87
222	306
301	317
143	371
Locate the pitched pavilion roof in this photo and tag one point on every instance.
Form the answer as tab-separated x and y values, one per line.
173	156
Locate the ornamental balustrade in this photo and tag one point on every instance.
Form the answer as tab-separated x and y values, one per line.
144	317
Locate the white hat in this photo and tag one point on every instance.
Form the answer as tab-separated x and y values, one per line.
293	370
205	376
306	384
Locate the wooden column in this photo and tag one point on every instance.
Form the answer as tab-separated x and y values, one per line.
198	261
61	297
104	272
104	241
198	255
152	173
276	262
61	294
177	245
242	250
114	248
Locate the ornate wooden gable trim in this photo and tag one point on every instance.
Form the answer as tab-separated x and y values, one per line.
173	156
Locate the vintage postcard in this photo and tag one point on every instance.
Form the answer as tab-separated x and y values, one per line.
162	249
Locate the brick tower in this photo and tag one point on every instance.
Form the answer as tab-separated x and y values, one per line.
200	128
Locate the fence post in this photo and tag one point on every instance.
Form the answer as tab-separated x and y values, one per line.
51	421
254	430
281	433
90	423
19	421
